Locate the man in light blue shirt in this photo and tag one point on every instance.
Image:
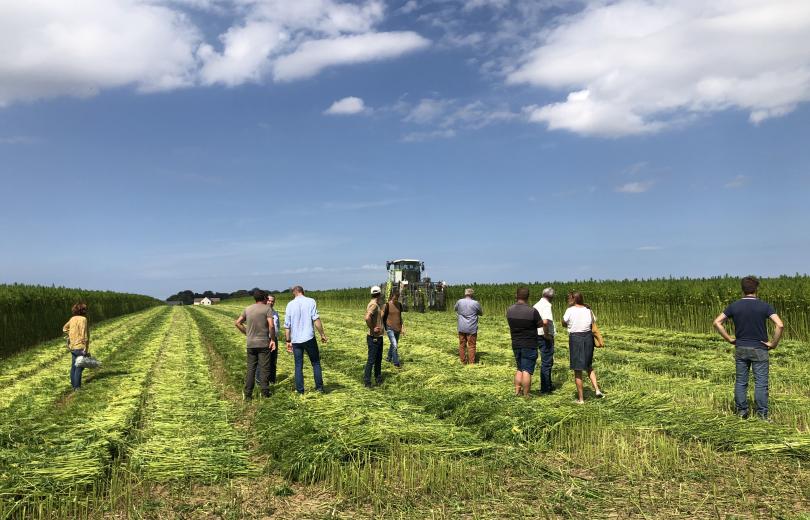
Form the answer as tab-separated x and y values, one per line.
468	310
299	318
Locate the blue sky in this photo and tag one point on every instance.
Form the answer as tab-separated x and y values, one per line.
201	144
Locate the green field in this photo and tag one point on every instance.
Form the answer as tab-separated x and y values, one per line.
161	431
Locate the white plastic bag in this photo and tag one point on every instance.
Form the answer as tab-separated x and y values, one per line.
87	362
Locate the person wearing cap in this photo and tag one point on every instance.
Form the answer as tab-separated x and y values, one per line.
374	339
468	310
545	339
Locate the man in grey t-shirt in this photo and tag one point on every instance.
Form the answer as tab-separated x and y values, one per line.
468	310
256	323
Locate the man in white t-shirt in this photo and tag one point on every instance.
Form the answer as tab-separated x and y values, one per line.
545	339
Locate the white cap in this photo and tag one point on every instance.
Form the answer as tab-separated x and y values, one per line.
376	290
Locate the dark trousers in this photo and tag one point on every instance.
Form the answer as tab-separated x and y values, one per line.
756	361
314	355
75	372
257	358
375	350
273	365
546	347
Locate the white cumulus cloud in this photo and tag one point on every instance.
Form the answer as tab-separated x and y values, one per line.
53	48
50	48
346	106
315	55
637	66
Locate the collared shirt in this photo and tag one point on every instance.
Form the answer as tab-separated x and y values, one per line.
544	308
468	311
298	318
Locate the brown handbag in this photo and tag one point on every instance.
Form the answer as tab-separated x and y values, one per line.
598	340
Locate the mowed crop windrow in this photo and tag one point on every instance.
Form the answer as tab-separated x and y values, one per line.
436	439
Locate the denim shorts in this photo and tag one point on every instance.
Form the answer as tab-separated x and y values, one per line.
526	359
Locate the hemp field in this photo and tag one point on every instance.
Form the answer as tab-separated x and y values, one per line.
160	431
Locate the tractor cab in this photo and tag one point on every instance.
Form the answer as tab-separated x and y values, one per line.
415	293
404	270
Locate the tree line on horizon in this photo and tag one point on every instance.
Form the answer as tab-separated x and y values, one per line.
187	297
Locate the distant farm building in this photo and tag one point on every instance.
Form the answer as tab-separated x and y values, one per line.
206	301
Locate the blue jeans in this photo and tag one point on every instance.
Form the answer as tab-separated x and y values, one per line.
75	372
311	348
754	359
546	347
375	348
393	353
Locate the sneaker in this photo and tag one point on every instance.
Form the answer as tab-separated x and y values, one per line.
742	415
367	385
599	395
577	401
247	397
379	382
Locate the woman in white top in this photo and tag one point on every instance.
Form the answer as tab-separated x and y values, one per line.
578	319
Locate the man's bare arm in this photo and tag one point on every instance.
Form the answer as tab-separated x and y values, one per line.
240	324
777	333
718	326
319	326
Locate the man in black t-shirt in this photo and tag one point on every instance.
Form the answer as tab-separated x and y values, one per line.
524	320
750	316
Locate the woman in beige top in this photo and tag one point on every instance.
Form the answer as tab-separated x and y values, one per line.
78	342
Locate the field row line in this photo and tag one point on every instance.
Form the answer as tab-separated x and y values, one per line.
72	446
186	431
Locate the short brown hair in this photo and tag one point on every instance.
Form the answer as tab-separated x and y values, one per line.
577	297
749	284
522	293
79	309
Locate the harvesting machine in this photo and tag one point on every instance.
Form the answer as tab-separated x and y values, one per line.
415	293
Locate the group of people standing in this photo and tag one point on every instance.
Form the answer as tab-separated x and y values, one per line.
531	328
260	323
532	333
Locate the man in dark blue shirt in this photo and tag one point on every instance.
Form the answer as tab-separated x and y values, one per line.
523	324
750	316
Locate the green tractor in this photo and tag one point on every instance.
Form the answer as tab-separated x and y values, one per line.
415	293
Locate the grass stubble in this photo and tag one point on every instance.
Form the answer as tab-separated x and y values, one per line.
437	440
